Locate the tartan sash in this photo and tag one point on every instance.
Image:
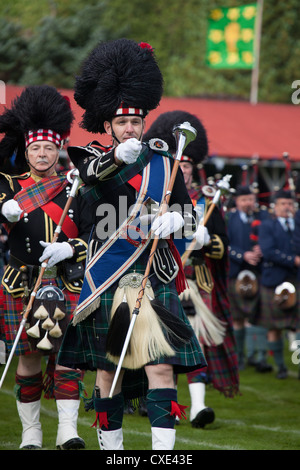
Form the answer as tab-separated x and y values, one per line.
126	244
40	194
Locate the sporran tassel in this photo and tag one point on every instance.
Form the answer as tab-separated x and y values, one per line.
178	332
34	331
58	314
56	331
207	327
41	313
118	327
48	324
45	344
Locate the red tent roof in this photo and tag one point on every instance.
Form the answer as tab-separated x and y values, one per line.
235	129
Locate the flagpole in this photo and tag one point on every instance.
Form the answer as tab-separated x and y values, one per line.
257	40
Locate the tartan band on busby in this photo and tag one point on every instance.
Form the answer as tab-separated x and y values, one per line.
162	128
39	113
43	134
119	77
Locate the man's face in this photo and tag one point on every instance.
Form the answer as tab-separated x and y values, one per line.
245	203
187	170
284	207
42	156
125	127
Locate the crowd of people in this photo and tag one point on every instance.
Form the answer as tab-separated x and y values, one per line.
147	278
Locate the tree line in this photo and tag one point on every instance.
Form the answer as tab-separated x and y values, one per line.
55	37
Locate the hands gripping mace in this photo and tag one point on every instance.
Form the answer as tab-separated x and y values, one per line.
184	134
223	187
75	184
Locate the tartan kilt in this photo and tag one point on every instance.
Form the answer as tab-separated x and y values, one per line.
273	317
11	315
222	366
84	345
241	308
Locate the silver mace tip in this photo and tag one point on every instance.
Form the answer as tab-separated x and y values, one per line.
184	134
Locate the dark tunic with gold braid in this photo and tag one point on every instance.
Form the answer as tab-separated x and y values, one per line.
25	250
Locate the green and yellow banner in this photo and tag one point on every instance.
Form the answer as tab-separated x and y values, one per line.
230	38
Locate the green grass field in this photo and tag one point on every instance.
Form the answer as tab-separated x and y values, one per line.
266	416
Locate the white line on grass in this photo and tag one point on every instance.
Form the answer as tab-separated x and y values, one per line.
87	422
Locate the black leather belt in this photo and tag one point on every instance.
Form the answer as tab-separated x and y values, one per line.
32	270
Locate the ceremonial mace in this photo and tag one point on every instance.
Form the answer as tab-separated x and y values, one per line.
75	184
223	187
184	134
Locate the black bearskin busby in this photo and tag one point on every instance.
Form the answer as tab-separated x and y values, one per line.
162	128
117	72
38	107
243	190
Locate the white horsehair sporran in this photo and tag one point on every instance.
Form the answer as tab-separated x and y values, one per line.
47	319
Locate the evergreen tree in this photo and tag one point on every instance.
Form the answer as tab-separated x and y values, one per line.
13	51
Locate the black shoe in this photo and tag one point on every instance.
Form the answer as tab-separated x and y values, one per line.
251	362
31	447
75	443
263	366
143	409
282	373
205	416
128	410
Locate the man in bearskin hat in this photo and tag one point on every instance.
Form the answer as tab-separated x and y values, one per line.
119	83
279	277
245	262
206	273
31	207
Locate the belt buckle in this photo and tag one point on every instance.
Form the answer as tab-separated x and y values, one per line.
133	280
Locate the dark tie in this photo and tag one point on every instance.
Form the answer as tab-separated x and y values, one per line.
288	227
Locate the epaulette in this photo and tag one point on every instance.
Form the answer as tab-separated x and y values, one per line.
8	178
24	176
93	149
159	146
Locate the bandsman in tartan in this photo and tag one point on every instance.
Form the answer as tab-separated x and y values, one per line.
120	82
279	277
206	271
245	263
31	206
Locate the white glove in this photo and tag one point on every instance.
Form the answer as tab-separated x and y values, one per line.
129	151
56	252
11	210
146	219
202	236
167	223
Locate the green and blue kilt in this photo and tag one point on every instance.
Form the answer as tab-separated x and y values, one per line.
11	315
274	318
242	308
84	345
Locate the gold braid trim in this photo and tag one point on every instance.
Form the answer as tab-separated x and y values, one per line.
216	247
203	278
